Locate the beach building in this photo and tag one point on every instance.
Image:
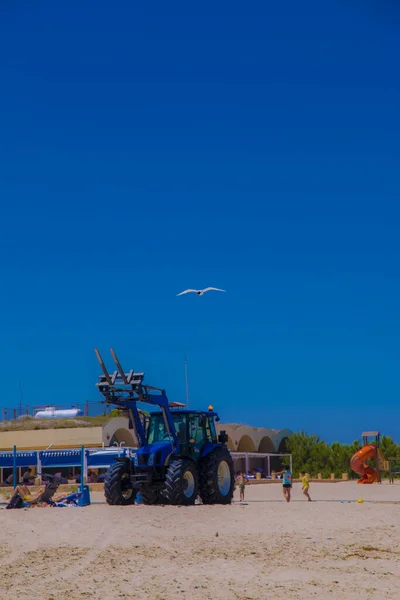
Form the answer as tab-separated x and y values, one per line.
38	436
250	445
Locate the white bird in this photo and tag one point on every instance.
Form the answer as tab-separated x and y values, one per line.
201	292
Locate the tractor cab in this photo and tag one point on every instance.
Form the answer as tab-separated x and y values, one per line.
192	429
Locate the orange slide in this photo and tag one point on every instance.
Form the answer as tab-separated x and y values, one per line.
358	465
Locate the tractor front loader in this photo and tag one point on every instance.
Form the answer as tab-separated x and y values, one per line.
179	456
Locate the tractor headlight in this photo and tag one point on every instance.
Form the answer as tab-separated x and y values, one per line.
151	459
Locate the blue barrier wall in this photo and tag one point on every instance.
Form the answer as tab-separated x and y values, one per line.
60	458
102	460
46	459
24	459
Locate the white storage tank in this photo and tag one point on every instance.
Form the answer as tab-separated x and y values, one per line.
52	413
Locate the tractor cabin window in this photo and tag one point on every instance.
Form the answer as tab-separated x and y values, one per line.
202	429
210	429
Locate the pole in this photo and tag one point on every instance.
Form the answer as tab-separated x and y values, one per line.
269	466
378	460
15	467
21	397
187	383
291	465
85	458
82	469
38	466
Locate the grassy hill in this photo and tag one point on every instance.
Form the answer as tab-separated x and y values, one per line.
30	424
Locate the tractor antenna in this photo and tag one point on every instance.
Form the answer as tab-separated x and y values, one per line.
187	383
21	397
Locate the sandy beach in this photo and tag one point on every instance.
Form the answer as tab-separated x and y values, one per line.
263	549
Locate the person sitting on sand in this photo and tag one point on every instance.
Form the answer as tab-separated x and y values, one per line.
305	485
241	482
27	477
286	482
101	477
10	479
91	477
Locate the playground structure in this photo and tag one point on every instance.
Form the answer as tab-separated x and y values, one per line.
369	450
179	454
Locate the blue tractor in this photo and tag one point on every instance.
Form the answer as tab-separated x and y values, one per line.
179	456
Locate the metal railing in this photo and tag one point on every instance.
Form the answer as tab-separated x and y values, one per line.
89	409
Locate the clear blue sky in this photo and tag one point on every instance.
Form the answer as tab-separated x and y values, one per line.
146	149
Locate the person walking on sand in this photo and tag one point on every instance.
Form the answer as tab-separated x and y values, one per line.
241	482
305	485
286	482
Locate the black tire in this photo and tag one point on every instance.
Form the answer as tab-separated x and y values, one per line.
152	496
118	486
215	466
181	483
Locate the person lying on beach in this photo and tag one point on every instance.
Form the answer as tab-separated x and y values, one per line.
286	482
24	493
305	485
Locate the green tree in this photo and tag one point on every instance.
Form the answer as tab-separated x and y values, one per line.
341	455
389	447
313	455
309	453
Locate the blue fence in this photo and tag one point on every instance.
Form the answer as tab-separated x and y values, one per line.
60	458
83	458
24	459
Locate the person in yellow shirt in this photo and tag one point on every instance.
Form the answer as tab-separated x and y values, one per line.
305	485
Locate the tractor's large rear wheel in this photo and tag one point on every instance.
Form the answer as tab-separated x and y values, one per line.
181	482
217	477
118	486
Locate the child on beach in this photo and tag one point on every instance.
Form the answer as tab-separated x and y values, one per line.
241	482
286	482
305	485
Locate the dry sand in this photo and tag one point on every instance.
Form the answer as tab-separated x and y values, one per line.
265	549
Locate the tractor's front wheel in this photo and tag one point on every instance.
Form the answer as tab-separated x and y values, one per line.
118	486
181	482
217	477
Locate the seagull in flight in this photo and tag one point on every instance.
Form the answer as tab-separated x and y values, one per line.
201	292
